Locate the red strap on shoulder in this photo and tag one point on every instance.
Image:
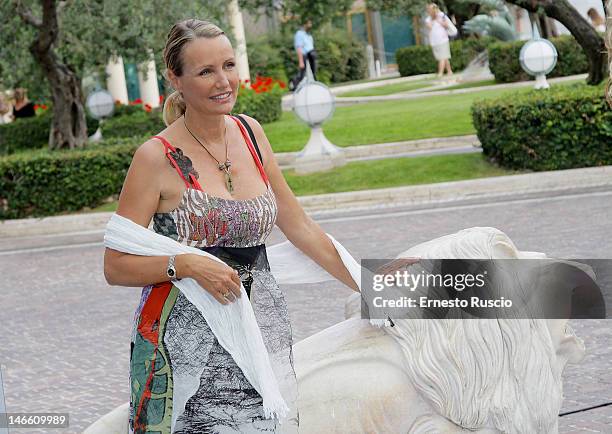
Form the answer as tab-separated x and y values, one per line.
247	139
168	147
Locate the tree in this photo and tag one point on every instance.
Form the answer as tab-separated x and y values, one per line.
461	10
588	38
319	11
62	41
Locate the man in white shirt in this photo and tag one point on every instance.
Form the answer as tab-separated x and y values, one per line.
436	22
304	46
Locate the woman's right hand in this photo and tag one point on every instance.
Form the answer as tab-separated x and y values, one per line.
216	277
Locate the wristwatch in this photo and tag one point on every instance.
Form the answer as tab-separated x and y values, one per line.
171	270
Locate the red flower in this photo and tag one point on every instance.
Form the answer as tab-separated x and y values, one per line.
36	106
268	81
282	85
242	86
147	107
161	99
44	106
137	101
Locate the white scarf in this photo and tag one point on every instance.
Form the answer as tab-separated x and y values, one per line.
233	324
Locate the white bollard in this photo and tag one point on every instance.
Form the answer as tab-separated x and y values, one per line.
371	64
115	79
149	91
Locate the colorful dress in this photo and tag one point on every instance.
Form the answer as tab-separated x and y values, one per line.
176	360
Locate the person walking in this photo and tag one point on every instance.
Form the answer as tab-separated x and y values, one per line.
303	43
437	24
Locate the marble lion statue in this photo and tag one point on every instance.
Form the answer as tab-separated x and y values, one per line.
425	376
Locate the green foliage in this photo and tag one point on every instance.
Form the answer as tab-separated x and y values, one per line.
90	31
319	11
562	128
505	65
263	105
31	133
41	183
419	59
136	124
265	60
340	57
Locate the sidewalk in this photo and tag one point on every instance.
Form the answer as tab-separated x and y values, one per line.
553	182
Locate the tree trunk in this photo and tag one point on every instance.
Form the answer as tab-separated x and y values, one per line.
68	128
588	38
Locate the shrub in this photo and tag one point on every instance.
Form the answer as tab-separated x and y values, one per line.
31	133
265	60
419	59
263	103
139	123
43	182
562	128
505	65
262	100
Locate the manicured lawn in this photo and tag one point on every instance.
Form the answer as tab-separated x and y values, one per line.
394	172
388	121
388	89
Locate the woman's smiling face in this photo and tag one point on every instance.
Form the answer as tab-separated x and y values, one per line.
209	82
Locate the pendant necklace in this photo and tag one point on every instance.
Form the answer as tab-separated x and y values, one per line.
224	167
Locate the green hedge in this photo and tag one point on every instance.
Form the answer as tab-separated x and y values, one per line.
419	59
140	123
505	65
562	128
41	183
265	107
31	133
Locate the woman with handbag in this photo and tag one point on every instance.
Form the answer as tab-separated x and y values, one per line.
440	26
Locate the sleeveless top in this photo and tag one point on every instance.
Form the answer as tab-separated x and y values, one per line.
171	340
202	220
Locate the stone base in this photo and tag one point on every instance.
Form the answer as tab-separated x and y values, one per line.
319	154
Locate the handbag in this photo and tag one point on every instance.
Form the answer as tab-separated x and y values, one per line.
451	29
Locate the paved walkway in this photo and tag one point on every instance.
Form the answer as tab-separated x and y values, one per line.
64	344
500	187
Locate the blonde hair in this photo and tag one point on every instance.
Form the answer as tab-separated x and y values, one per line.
595	17
180	35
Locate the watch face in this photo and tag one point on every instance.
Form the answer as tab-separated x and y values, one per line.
170	272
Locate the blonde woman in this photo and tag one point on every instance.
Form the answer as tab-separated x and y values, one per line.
437	24
597	20
209	180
